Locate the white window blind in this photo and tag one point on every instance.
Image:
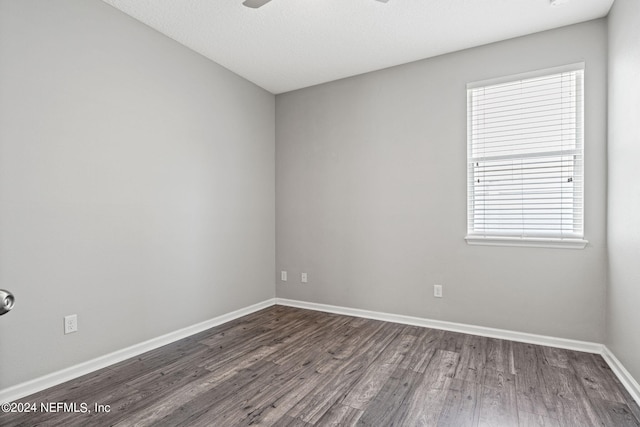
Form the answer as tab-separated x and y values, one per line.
525	157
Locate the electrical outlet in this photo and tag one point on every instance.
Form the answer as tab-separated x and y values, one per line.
70	323
303	278
283	276
437	291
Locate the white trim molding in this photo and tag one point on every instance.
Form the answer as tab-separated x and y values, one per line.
527	75
588	347
618	369
621	372
38	384
21	390
526	242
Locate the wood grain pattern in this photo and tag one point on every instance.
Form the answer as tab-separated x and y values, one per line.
391	404
284	366
527	419
462	405
498	406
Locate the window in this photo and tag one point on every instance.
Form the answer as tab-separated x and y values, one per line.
525	159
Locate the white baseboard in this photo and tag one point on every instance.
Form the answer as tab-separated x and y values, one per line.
589	347
21	390
621	372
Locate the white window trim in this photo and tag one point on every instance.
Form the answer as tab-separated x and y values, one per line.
531	242
541	242
528	75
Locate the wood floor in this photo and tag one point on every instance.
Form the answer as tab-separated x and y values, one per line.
284	366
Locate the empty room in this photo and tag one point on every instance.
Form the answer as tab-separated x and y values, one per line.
319	213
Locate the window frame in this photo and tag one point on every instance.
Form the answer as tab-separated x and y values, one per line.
504	238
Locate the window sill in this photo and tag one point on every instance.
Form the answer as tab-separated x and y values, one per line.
531	242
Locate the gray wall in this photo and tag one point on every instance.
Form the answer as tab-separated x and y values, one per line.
623	315
136	185
132	168
371	195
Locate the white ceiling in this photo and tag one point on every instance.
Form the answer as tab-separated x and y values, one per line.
291	44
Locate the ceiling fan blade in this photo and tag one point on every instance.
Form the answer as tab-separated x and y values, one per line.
254	4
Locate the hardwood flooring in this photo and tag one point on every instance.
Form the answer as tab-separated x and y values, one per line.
284	366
